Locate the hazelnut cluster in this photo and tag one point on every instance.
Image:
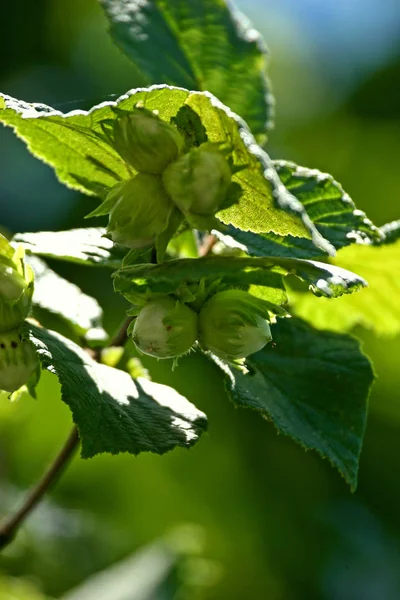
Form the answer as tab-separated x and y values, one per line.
18	359
168	178
232	324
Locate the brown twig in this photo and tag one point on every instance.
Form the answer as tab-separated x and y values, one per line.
119	339
208	244
10	525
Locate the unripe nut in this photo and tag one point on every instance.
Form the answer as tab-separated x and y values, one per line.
18	360
16	286
12	284
141	211
165	328
146	142
232	325
199	180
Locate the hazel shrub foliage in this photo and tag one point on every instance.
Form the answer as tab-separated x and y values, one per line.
167	177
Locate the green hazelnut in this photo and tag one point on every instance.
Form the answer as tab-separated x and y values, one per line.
199	180
146	142
165	328
233	325
141	211
16	286
18	360
12	284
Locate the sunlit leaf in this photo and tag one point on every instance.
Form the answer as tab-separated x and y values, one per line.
66	300
86	247
329	207
376	308
74	146
79	147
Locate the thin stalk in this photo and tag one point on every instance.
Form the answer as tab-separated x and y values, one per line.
208	244
11	524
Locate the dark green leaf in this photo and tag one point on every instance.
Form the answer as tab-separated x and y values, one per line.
174	276
314	386
269	244
202	45
83	246
328	206
113	412
66	300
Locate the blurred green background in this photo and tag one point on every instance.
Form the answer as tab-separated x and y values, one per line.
244	514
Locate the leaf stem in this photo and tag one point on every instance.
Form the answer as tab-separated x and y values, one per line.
11	524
